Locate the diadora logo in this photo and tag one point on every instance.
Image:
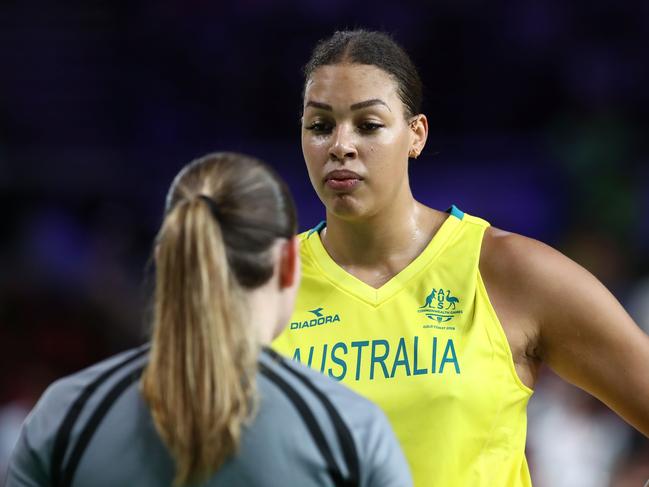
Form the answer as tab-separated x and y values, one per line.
317	312
440	306
319	318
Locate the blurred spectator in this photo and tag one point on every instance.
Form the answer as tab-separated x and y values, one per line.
574	440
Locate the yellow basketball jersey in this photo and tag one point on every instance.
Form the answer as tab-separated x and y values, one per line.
428	348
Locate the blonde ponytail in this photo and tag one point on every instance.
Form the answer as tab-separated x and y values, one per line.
223	214
199	382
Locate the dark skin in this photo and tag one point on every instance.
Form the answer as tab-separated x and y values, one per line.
591	342
552	310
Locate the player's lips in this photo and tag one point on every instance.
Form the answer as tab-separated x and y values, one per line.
342	180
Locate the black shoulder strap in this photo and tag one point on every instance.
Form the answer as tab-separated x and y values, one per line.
344	434
311	423
93	423
62	437
342	431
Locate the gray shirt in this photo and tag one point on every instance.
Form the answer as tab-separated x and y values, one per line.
94	429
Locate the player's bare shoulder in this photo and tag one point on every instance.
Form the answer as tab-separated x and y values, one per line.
529	269
539	286
513	265
534	272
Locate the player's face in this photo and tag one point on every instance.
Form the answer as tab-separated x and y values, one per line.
355	139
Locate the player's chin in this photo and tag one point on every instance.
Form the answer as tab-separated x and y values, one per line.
346	206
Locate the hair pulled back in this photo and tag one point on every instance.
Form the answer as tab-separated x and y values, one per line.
223	214
375	49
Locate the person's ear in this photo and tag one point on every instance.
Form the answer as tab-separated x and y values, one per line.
419	127
289	262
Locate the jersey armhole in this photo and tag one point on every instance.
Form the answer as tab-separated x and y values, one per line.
495	328
501	338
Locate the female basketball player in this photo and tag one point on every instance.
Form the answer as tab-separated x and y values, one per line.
439	318
204	404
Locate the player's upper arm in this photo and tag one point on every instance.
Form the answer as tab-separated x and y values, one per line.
584	334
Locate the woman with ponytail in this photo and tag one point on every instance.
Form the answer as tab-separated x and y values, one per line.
207	403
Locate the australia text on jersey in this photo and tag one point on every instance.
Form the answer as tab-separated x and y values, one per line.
372	359
319	318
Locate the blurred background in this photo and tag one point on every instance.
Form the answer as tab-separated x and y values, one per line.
539	117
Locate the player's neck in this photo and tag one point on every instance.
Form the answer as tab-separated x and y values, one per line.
388	239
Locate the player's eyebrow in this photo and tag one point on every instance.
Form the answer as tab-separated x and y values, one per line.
369	103
355	106
317	104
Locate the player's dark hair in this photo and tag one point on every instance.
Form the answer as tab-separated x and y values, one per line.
223	214
376	49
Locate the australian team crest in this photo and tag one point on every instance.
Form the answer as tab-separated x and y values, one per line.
441	306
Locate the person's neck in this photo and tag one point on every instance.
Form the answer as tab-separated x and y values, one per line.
262	314
395	235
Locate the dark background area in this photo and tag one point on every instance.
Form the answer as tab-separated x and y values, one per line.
539	118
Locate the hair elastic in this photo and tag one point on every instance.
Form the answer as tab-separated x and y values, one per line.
214	208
